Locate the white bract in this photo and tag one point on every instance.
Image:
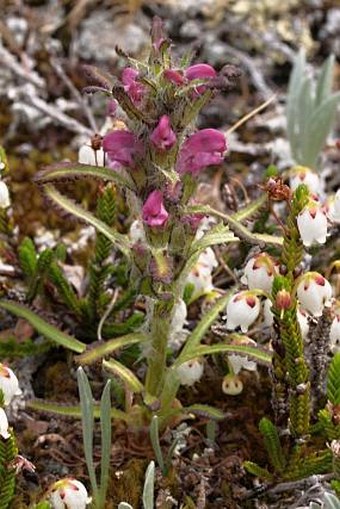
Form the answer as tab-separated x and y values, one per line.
4	196
69	494
3	425
201	275
302	175
334	334
312	224
314	292
242	310
86	155
190	372
8	384
259	272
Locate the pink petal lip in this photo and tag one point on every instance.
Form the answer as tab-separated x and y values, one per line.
201	149
153	211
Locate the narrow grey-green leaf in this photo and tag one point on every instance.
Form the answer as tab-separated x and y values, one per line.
149	486
254	353
128	377
154	437
324	84
101	349
106	438
44	328
72	411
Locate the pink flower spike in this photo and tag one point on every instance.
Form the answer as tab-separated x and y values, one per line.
200	72
153	211
121	147
204	148
174	76
132	87
163	137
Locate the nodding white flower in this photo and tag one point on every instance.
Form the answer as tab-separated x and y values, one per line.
334	334
8	384
4	196
268	317
201	274
137	233
302	319
232	385
302	175
69	494
314	292
312	224
242	310
190	372
4	425
238	362
259	272
87	155
178	334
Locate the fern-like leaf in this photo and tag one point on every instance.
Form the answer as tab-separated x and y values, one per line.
27	257
333	381
8	452
272	444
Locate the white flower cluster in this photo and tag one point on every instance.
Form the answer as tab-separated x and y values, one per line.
68	493
9	387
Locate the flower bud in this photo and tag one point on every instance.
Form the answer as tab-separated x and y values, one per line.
134	89
283	300
259	272
201	149
242	310
4	196
314	292
69	494
4	425
232	385
190	372
163	137
154	213
312	224
8	384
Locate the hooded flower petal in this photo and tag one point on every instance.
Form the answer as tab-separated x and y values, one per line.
200	72
154	212
259	272
132	86
4	196
69	494
190	372
242	310
122	147
8	384
204	148
302	175
314	292
4	425
163	137
312	224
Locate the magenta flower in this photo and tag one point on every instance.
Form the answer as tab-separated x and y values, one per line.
134	89
111	108
200	72
163	137
153	211
204	148
121	147
174	76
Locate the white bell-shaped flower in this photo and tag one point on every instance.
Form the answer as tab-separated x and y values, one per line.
314	292
302	175
238	362
86	155
4	196
232	385
137	233
268	317
4	425
312	224
201	275
242	310
8	384
178	334
190	372
69	494
335	208
334	334
259	272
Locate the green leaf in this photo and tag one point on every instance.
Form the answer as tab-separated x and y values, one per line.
333	380
101	349
205	410
44	328
251	209
119	240
149	486
106	442
72	411
220	234
324	85
272	444
255	469
154	437
128	377
27	257
72	171
87	418
203	325
293	94
254	353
